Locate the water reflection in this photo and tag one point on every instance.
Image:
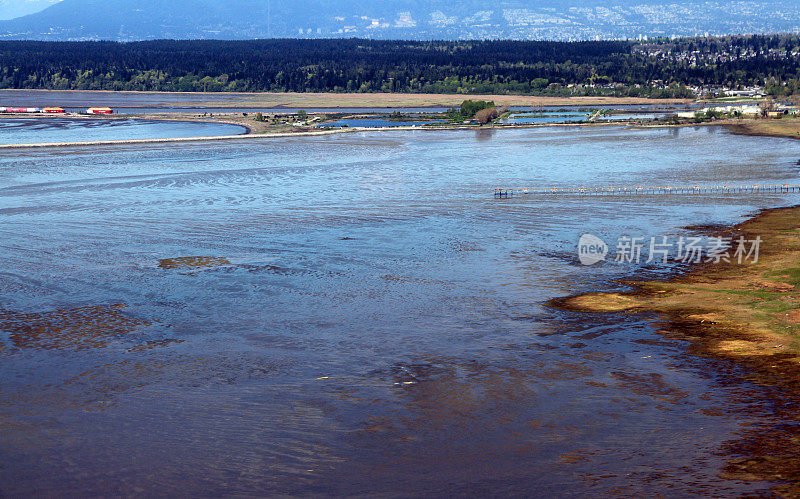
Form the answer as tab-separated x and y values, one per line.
484	135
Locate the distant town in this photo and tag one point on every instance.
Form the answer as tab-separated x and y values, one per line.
131	20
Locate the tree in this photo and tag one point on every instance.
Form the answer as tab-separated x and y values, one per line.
486	115
766	106
540	83
470	107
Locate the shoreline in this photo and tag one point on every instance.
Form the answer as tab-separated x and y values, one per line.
751	311
244	136
250	135
748	314
784	128
254	129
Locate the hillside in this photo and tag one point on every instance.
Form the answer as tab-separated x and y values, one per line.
126	20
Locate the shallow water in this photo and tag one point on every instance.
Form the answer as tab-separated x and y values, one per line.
47	130
632	116
548	117
356	314
573	117
375	122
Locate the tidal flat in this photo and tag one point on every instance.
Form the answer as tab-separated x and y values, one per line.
356	313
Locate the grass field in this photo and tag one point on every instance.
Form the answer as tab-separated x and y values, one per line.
310	99
302	100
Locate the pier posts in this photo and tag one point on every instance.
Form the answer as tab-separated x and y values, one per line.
695	190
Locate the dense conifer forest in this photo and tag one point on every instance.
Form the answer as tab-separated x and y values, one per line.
655	69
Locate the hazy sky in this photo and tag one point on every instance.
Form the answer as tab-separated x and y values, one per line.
10	9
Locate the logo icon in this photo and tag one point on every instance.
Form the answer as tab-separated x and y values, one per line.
591	249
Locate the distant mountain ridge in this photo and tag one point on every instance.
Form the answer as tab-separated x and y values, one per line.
127	20
9	9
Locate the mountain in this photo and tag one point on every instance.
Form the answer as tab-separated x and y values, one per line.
127	20
10	9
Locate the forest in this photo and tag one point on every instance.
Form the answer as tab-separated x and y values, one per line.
661	68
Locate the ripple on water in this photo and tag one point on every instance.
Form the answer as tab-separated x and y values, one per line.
362	318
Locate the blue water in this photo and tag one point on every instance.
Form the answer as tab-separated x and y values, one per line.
46	130
375	123
544	118
373	321
573	117
632	116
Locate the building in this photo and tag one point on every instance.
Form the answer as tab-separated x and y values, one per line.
99	110
749	92
19	109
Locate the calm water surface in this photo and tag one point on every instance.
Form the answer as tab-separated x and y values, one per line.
367	318
375	122
44	130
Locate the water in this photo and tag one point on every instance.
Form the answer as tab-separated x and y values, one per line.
632	116
368	320
547	117
572	117
51	129
376	122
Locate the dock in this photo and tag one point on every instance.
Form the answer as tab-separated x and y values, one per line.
695	190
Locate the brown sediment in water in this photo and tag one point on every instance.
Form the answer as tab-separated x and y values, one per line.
79	328
748	313
192	262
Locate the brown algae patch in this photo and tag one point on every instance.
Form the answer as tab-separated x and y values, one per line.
80	328
192	262
603	302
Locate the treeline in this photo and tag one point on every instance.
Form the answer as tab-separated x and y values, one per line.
546	68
